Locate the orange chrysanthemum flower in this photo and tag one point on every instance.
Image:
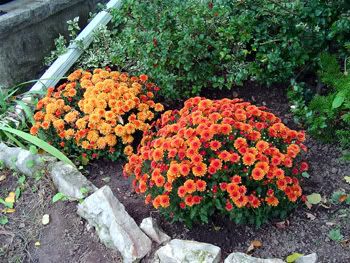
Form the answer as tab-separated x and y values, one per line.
158	154
181	191
258	174
215	145
190	186
199	169
248	159
201	185
272	201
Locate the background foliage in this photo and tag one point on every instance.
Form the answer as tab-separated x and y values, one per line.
189	45
327	115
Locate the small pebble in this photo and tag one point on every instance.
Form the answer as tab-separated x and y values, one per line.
45	220
106	179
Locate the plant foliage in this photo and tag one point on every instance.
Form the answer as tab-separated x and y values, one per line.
188	45
327	116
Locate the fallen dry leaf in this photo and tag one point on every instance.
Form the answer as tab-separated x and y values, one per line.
342	198
253	245
2	177
256	243
282	224
347	179
120	119
308	205
325	206
41	151
10	198
9	210
310	216
345	242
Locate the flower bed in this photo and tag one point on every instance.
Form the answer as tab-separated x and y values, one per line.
96	114
219	155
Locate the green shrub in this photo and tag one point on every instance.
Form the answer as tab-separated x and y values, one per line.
189	45
327	116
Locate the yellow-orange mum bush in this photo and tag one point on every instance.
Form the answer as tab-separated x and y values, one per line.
97	113
219	155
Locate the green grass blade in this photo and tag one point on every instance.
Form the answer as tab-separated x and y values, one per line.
10	136
27	111
39	143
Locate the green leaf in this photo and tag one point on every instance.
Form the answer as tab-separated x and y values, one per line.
13	139
314	198
218	204
84	190
3	220
338	100
18	192
22	179
57	197
305	174
33	149
30	163
28	112
335	235
293	257
6	204
84	160
39	143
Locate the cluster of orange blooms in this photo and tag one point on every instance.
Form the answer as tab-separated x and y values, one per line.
223	149
96	110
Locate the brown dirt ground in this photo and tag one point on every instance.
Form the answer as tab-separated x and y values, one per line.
65	239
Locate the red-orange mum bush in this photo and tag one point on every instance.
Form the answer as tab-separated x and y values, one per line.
96	113
219	155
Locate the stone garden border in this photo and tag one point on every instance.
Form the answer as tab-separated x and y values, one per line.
115	227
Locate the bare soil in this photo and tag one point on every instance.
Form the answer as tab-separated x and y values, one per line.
65	239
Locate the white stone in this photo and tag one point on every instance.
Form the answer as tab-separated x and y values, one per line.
178	251
151	228
114	225
22	160
311	258
69	181
238	257
45	220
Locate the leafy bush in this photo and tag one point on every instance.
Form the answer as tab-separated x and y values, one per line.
224	156
189	45
327	116
96	114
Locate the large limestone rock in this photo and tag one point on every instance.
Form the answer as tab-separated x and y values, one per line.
238	257
115	227
69	181
151	228
22	160
186	251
